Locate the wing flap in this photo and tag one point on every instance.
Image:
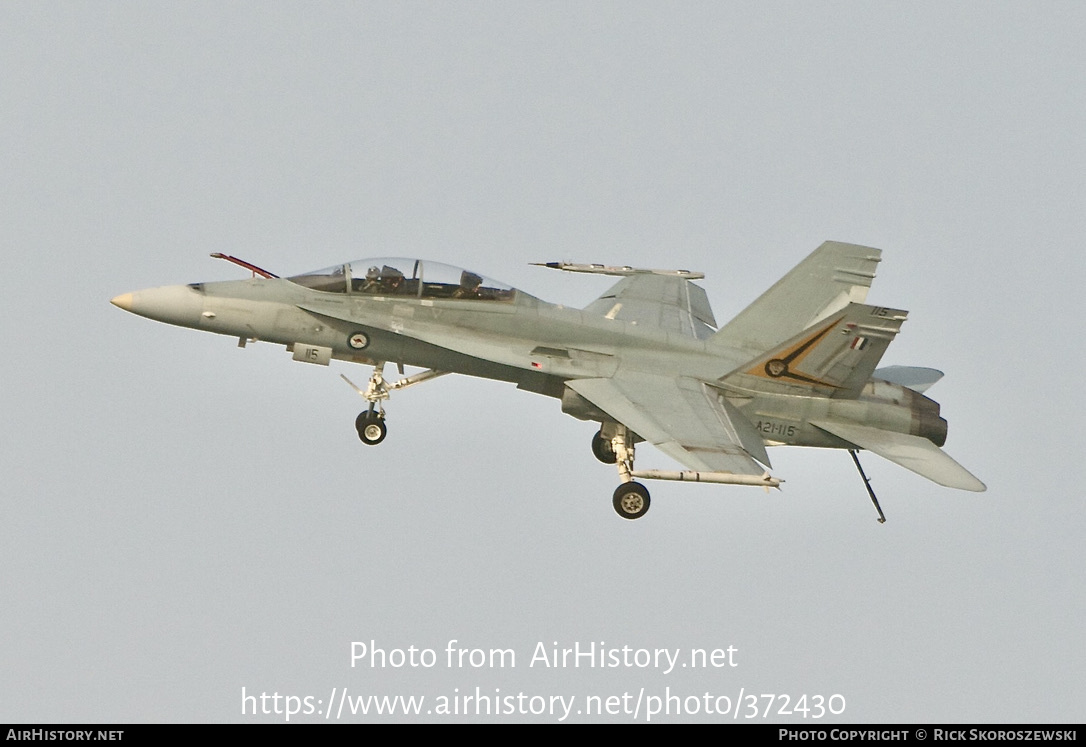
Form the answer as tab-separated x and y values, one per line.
680	416
911	452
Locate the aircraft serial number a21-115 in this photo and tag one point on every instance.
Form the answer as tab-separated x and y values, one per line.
645	360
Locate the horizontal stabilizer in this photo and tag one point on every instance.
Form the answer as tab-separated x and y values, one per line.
912	452
910	377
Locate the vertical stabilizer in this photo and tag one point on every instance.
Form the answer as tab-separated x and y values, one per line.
831	277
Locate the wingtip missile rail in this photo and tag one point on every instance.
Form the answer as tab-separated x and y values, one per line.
620	270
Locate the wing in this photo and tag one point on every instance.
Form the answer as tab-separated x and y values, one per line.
684	418
831	277
912	452
666	302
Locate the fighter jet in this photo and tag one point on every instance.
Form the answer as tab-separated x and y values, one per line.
645	360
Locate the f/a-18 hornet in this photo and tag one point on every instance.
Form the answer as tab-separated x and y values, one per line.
645	360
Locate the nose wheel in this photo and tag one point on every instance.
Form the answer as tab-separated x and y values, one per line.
371	427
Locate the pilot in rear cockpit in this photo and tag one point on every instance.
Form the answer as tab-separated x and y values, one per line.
391	279
469	285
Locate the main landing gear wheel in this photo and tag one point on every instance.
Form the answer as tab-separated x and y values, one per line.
601	448
371	427
631	500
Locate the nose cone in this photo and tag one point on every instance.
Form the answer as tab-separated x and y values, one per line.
173	304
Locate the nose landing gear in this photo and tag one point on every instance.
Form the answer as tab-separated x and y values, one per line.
370	423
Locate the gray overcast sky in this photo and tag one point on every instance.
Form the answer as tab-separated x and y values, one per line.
183	519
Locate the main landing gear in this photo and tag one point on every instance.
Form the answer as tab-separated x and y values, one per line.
370	423
613	444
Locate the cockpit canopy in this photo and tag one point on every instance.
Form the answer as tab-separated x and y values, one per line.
405	277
